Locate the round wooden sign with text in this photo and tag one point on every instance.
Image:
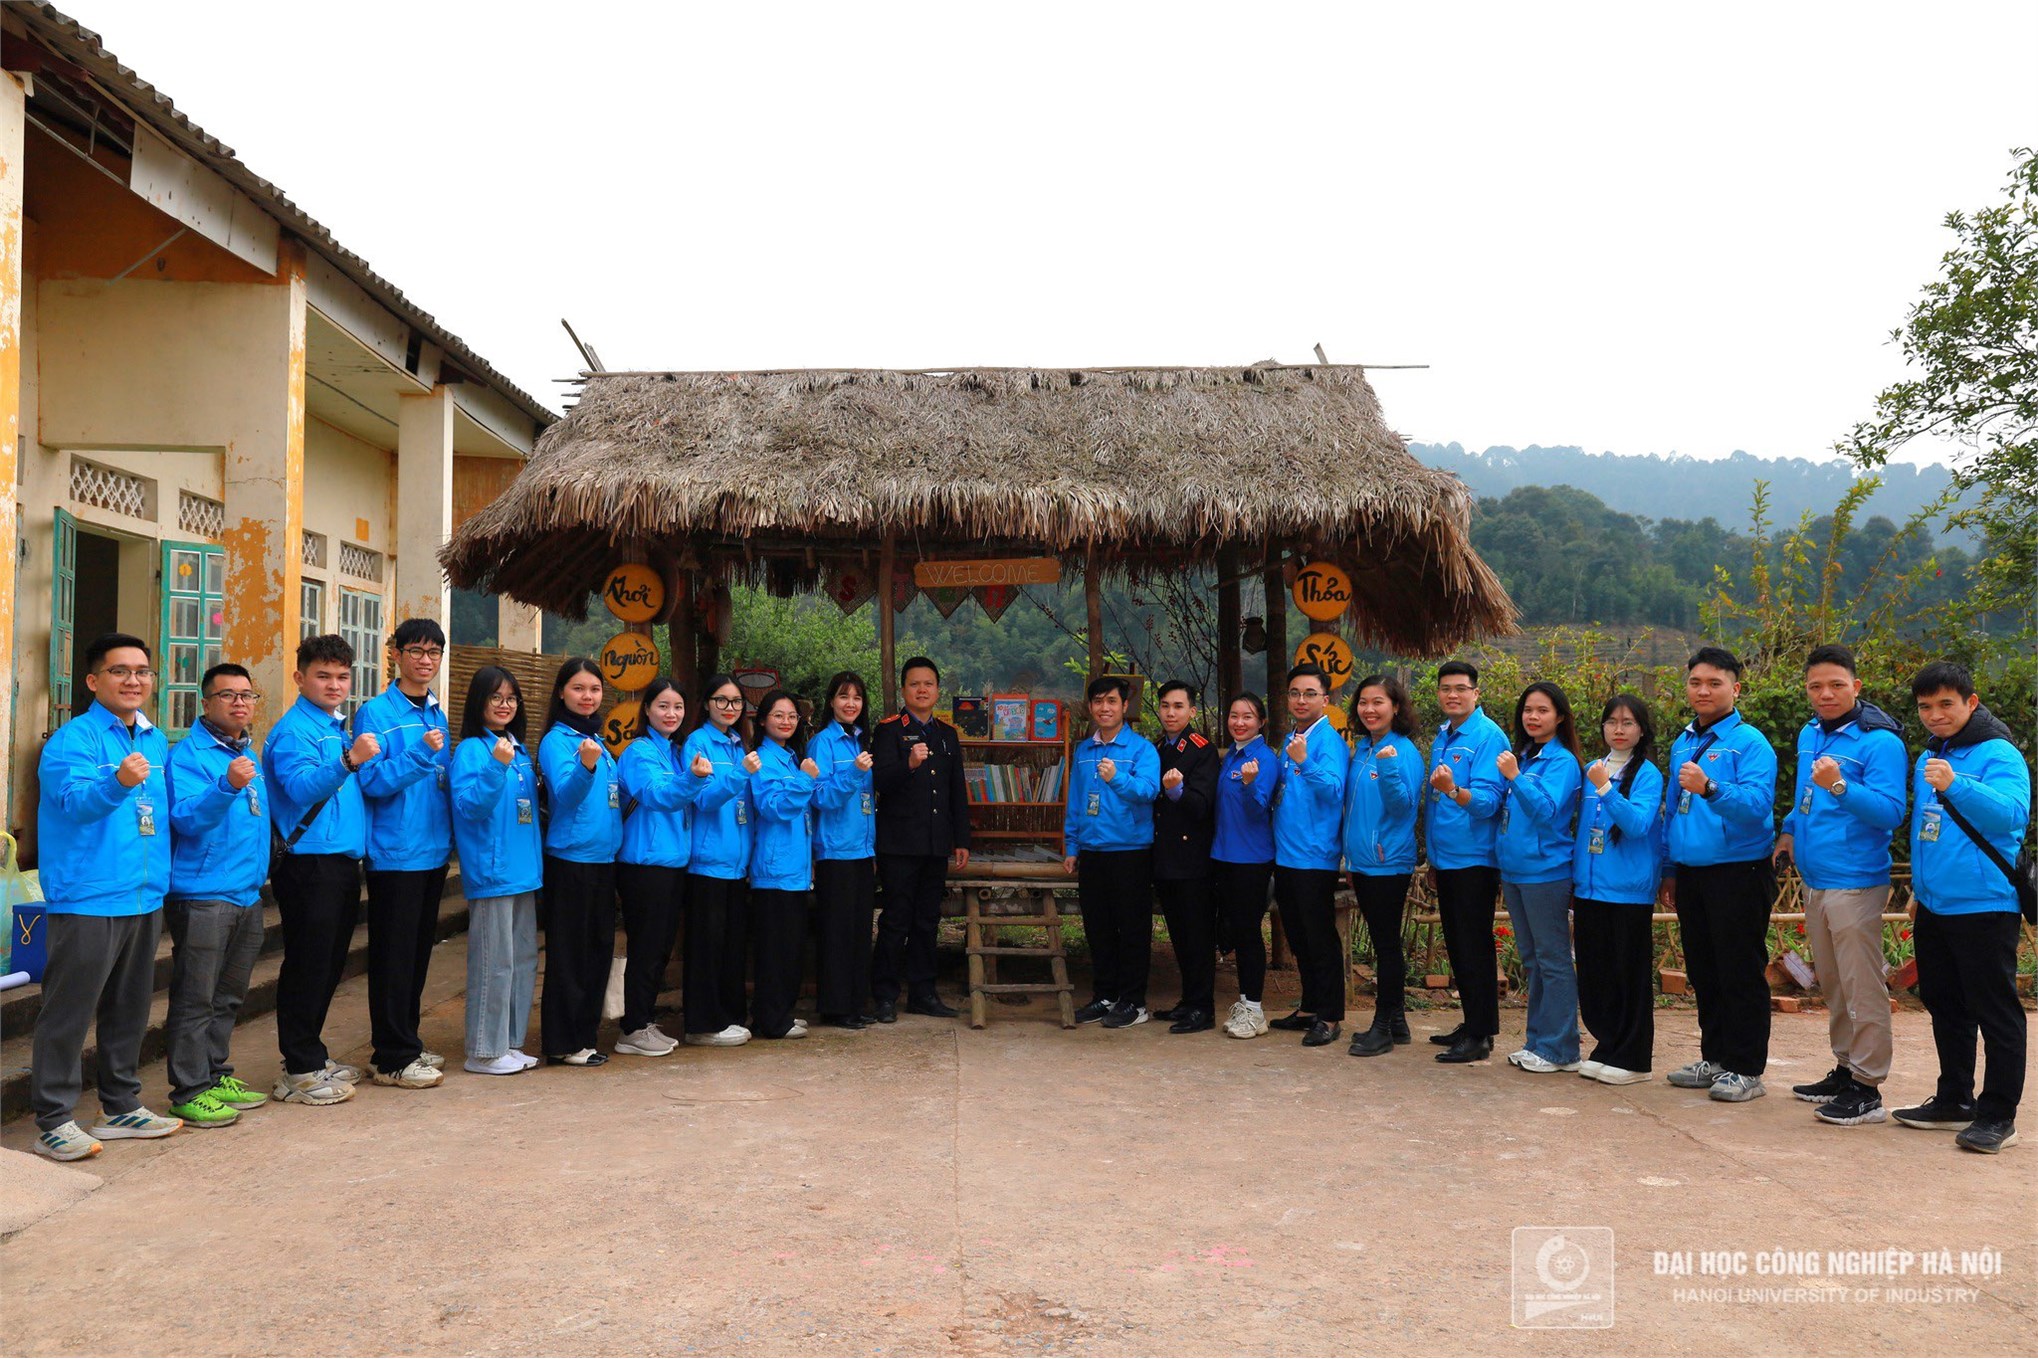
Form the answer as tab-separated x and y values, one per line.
1322	591
634	593
628	660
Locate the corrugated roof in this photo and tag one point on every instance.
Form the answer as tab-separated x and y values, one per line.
79	45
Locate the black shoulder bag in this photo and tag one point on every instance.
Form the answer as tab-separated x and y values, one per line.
2023	874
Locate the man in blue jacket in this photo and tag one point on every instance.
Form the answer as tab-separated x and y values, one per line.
309	764
1460	813
1308	846
1720	831
219	856
1851	774
410	838
1107	841
103	836
1972	788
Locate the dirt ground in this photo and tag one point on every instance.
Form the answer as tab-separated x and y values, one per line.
924	1188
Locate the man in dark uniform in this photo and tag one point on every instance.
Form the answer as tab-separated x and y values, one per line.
1184	821
922	831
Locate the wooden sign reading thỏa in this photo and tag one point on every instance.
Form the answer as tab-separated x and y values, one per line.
987	571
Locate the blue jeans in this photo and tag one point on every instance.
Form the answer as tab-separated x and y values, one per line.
1542	929
502	972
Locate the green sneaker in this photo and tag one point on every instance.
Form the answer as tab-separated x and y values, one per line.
230	1092
206	1112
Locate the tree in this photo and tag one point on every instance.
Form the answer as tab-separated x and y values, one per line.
1973	338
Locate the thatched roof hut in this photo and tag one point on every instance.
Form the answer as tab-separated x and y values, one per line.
777	474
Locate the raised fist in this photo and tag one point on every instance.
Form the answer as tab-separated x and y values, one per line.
917	756
1596	771
1690	777
809	768
864	759
1248	771
752	763
1509	766
703	767
365	748
435	740
1441	780
505	750
240	773
1172	779
1298	747
1107	769
134	770
590	752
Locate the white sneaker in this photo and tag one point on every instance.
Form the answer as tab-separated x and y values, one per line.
416	1076
1618	1075
1590	1069
799	1029
66	1142
432	1060
523	1058
645	1042
505	1065
735	1036
136	1122
1540	1065
1514	1058
347	1071
1247	1020
311	1087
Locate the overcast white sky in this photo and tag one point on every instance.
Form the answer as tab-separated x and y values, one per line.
1619	226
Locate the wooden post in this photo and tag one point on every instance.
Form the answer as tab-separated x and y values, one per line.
1230	665
682	630
1093	613
1277	645
886	619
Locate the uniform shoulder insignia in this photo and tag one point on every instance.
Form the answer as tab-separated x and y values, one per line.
1198	739
895	717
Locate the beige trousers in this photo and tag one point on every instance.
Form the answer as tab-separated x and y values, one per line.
1845	927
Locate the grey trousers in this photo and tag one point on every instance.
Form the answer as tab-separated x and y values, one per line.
215	947
1845	927
103	968
502	972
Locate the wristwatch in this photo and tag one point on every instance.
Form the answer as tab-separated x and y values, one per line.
1839	788
1710	789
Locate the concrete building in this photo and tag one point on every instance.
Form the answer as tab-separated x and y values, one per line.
219	429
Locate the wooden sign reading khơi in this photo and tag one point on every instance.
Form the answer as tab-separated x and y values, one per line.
634	593
987	571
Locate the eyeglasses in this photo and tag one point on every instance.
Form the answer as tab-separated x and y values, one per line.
236	697
122	672
1457	689
721	702
1305	693
424	653
502	700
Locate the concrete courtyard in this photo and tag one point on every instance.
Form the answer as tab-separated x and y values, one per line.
924	1188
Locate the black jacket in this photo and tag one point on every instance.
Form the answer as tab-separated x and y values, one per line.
1183	828
925	810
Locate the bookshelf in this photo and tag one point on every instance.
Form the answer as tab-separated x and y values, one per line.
1016	790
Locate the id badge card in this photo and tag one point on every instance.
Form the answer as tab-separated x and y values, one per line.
1095	806
1595	843
1929	831
1684	802
1505	812
145	816
615	797
1804	806
742	812
523	811
254	800
864	803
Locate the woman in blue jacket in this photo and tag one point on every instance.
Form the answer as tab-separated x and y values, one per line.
717	914
1383	792
495	828
658	797
845	853
583	833
1615	863
781	865
1536	813
1242	855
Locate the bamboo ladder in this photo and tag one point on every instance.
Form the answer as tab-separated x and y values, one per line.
984	944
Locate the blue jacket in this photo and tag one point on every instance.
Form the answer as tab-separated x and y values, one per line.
1624	869
1382	797
782	859
1843	842
847	804
721	815
1536	814
1119	814
410	816
1465	837
658	800
301	761
1245	811
219	847
104	847
1992	788
1737	823
1309	809
495	821
585	822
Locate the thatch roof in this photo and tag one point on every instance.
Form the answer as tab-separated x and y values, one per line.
1152	468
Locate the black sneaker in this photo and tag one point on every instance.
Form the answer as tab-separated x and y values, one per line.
1125	1014
1940	1115
1858	1103
1988	1135
1837	1082
1093	1012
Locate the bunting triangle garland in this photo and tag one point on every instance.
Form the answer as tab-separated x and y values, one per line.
995	599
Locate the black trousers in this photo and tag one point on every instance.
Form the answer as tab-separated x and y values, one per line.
1381	901
778	932
1307	898
717	947
1615	944
1189	905
845	896
1723	922
907	925
1465	898
1967	977
403	924
1116	891
651	899
1242	902
319	898
579	916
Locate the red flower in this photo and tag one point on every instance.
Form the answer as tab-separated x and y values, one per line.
1800	927
1904	933
1502	932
